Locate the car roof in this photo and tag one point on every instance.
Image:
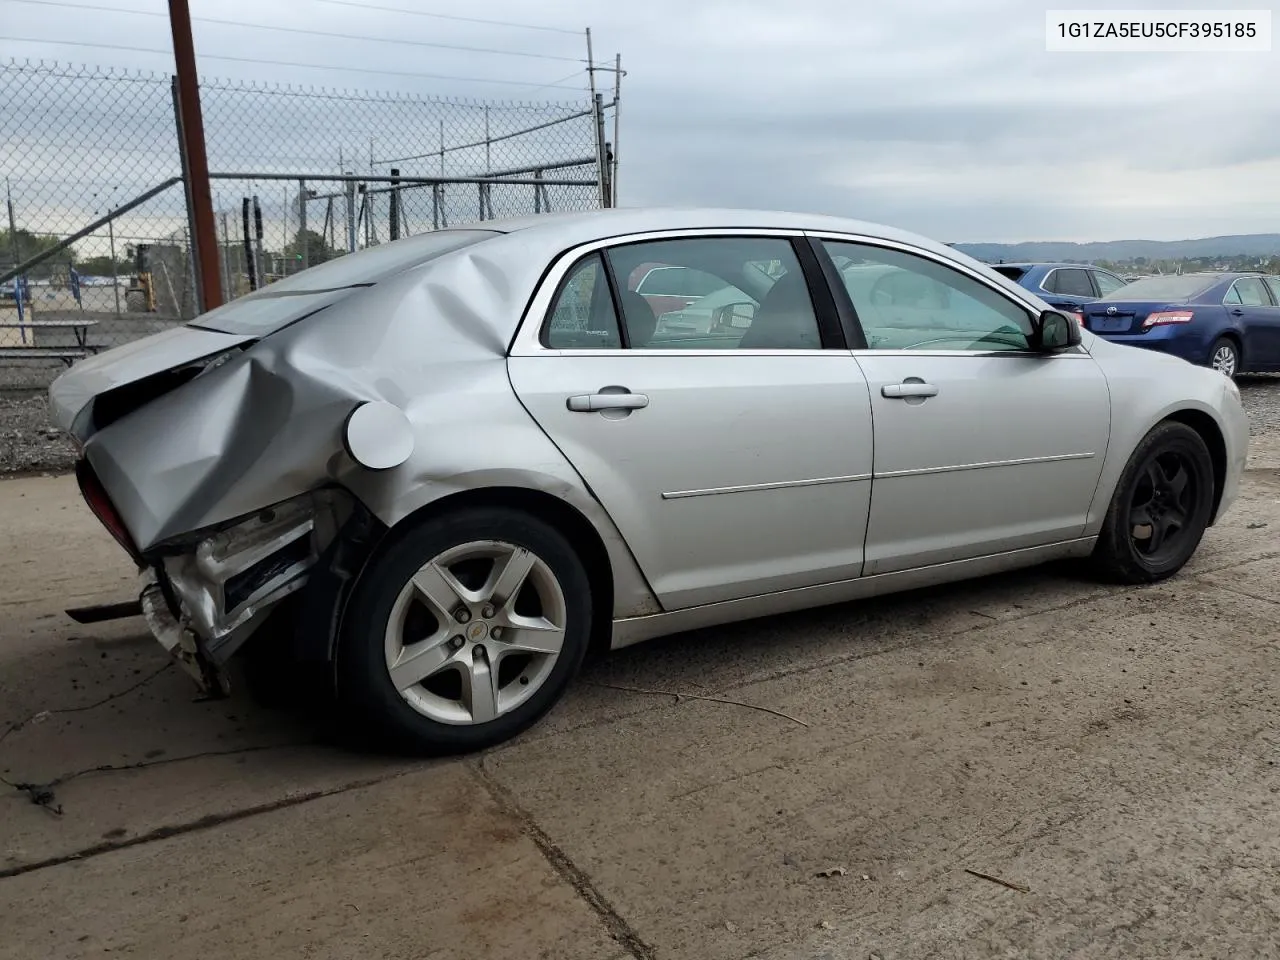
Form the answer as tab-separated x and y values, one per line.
1046	263
586	226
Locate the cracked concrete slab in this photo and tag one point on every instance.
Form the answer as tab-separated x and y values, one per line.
430	867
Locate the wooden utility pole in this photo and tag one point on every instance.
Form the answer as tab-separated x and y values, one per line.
204	237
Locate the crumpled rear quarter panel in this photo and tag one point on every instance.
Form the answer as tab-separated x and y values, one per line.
267	425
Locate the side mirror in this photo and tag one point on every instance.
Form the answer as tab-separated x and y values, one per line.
1056	331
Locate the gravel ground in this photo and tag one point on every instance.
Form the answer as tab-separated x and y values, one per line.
28	441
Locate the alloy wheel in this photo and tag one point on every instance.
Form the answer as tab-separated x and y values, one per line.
1160	510
1224	359
475	632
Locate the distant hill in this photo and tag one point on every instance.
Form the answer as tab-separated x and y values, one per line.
1253	244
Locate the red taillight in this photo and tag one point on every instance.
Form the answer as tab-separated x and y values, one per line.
96	497
1079	315
1162	317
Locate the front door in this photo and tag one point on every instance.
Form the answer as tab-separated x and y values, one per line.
735	463
981	446
1249	302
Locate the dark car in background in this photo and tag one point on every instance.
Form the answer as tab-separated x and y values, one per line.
1065	286
1228	321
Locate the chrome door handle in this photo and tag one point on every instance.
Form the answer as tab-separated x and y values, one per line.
593	402
900	391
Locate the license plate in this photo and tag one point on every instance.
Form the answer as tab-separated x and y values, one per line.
1109	324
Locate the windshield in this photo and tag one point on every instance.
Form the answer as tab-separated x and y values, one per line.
1172	287
281	303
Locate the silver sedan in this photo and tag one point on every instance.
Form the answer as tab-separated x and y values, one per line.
446	469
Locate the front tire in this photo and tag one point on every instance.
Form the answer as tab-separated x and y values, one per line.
1160	508
464	632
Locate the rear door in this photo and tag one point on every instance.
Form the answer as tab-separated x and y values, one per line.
981	445
733	464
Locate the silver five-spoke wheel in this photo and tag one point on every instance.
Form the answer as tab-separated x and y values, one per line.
463	630
475	632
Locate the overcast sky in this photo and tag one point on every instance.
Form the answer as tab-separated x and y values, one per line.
940	116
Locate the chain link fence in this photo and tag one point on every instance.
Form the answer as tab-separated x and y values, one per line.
298	176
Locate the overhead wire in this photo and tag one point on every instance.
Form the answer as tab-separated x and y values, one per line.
290	63
305	31
450	16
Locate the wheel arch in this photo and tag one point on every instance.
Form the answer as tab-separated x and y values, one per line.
1198	414
1215	440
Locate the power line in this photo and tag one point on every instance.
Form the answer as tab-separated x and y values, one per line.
447	16
560	82
288	63
304	30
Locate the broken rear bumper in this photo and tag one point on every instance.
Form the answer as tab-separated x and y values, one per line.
204	599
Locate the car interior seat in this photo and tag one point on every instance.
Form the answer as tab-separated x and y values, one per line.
785	319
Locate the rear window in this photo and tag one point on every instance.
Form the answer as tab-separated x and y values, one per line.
1013	273
281	303
1172	287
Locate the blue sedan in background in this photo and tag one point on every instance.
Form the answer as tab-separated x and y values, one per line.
1228	321
1065	286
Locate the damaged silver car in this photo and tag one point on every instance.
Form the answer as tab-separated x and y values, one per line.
447	468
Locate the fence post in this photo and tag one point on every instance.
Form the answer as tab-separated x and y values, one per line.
259	266
186	187
302	224
19	282
394	226
602	153
617	104
226	260
248	245
204	235
350	188
115	271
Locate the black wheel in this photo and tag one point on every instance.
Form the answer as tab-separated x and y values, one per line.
464	632
1224	356
1160	508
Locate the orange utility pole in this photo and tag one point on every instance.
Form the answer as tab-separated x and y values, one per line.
204	237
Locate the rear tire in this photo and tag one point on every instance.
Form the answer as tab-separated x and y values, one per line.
1160	508
1224	356
464	632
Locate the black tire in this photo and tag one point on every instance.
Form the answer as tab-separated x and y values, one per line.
365	690
1226	345
1122	557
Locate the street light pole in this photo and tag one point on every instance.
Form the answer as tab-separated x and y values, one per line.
204	238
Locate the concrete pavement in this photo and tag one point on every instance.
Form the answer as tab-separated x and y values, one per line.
1111	752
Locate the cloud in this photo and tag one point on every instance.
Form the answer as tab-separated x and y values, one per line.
946	118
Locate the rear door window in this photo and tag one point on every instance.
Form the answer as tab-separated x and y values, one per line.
1273	284
1072	283
582	316
715	293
